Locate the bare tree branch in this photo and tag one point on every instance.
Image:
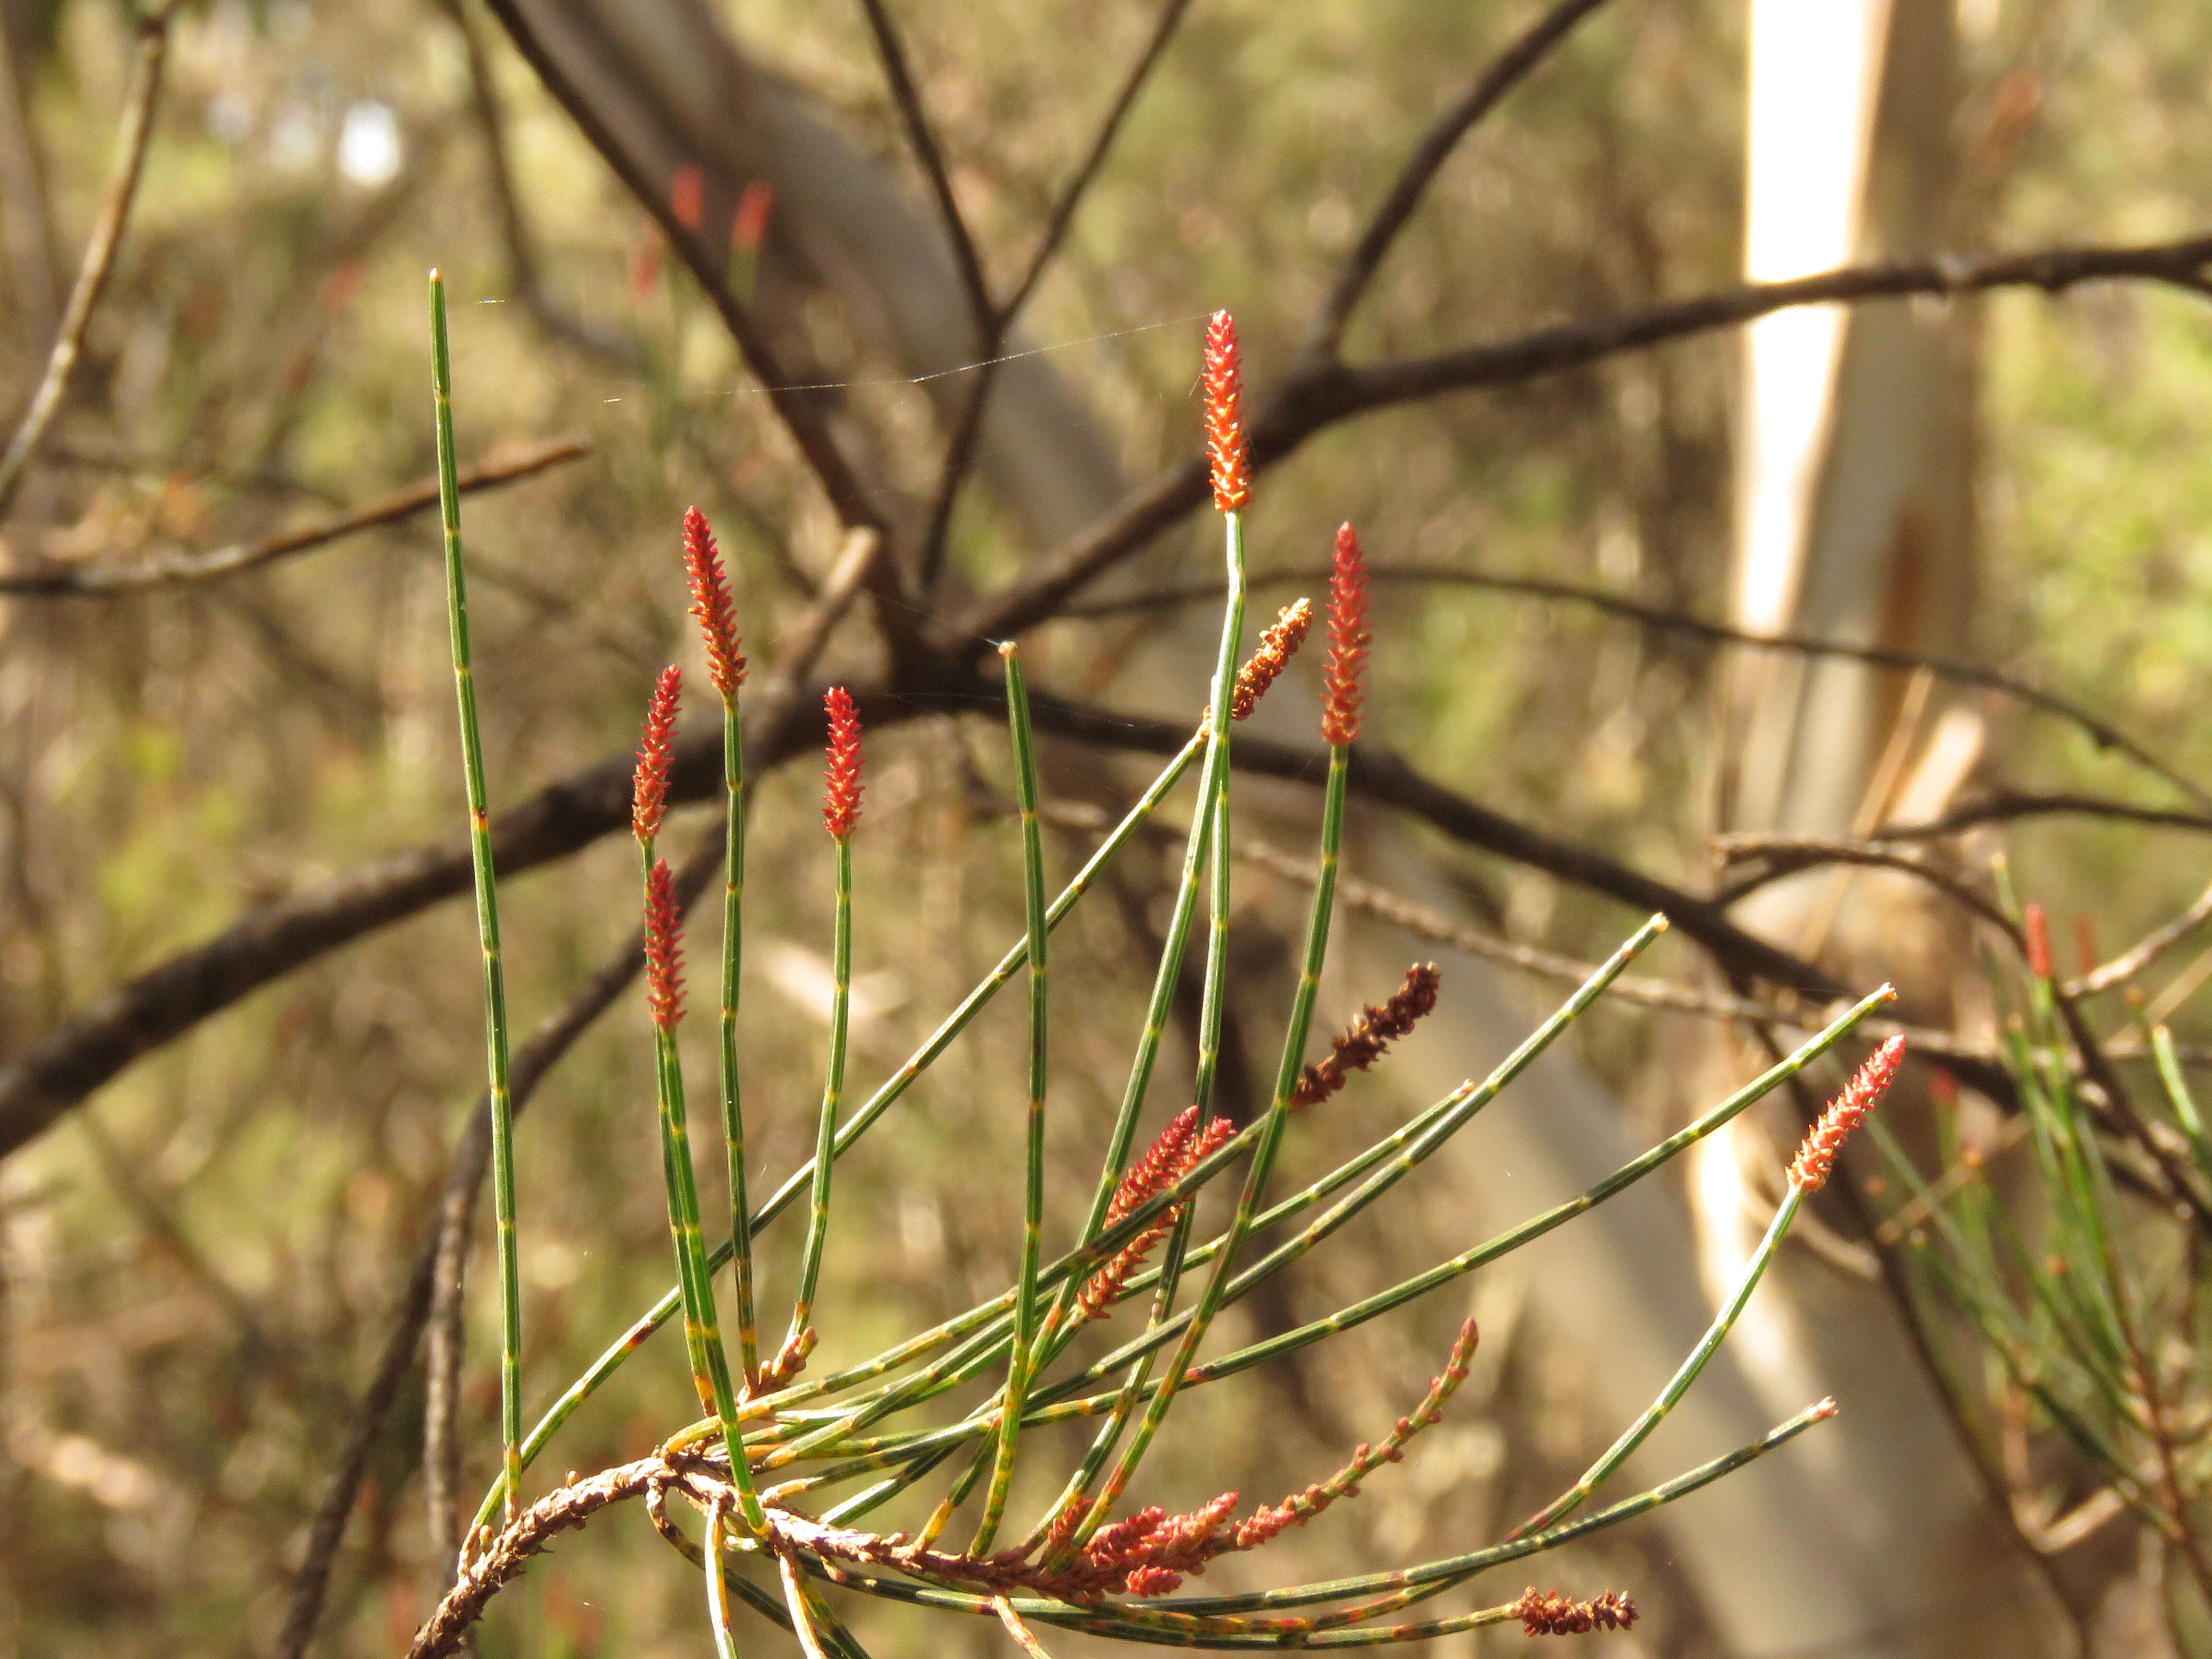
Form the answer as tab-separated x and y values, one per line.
982	309
2102	733
1784	855
2009	807
1505	72
58	580
138	101
1322	394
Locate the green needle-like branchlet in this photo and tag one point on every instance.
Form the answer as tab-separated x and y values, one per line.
733	1117
1025	1303
495	977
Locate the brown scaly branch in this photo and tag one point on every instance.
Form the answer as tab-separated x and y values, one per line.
1320	395
2101	732
56	581
143	92
1505	72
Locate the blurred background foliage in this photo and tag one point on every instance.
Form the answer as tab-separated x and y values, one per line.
198	1264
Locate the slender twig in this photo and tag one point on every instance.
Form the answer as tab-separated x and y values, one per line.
960	450
2101	732
1784	855
982	311
1318	396
50	581
1505	72
139	97
2009	807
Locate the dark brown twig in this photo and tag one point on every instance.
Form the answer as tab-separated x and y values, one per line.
2009	807
89	581
2101	732
1322	394
1505	72
960	450
138	101
982	310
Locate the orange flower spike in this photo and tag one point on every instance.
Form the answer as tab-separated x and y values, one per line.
1816	1157
687	197
648	798
710	604
664	948
2037	927
841	786
1228	453
1342	692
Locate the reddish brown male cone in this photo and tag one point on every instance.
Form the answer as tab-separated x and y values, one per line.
710	604
1342	687
1810	1170
649	792
841	778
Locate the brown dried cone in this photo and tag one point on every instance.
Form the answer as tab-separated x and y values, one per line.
1228	455
1279	643
1816	1157
1363	1041
1548	1613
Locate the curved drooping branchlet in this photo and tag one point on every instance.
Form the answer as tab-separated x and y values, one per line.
2036	926
1343	690
710	604
1279	643
841	778
1816	1157
1301	1507
1548	1613
648	792
1228	452
664	947
1363	1042
1177	1150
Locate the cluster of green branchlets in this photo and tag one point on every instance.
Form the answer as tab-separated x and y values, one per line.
786	1469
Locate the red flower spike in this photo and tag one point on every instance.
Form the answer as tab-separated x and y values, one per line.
648	793
687	197
1548	1613
1342	692
2037	927
841	786
748	229
710	604
1228	454
1179	1149
664	947
1816	1157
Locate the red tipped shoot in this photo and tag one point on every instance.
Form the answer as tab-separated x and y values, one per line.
2037	927
1816	1157
710	604
1342	691
1228	454
649	795
748	229
664	947
1548	1613
841	784
687	197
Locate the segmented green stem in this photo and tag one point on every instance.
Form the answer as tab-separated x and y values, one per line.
734	1116
1213	803
502	1109
832	1088
1025	1300
893	1088
718	1587
702	1335
1619	1453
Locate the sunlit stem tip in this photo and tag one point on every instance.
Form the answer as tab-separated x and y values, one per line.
649	795
1343	689
841	782
1227	452
1809	1171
